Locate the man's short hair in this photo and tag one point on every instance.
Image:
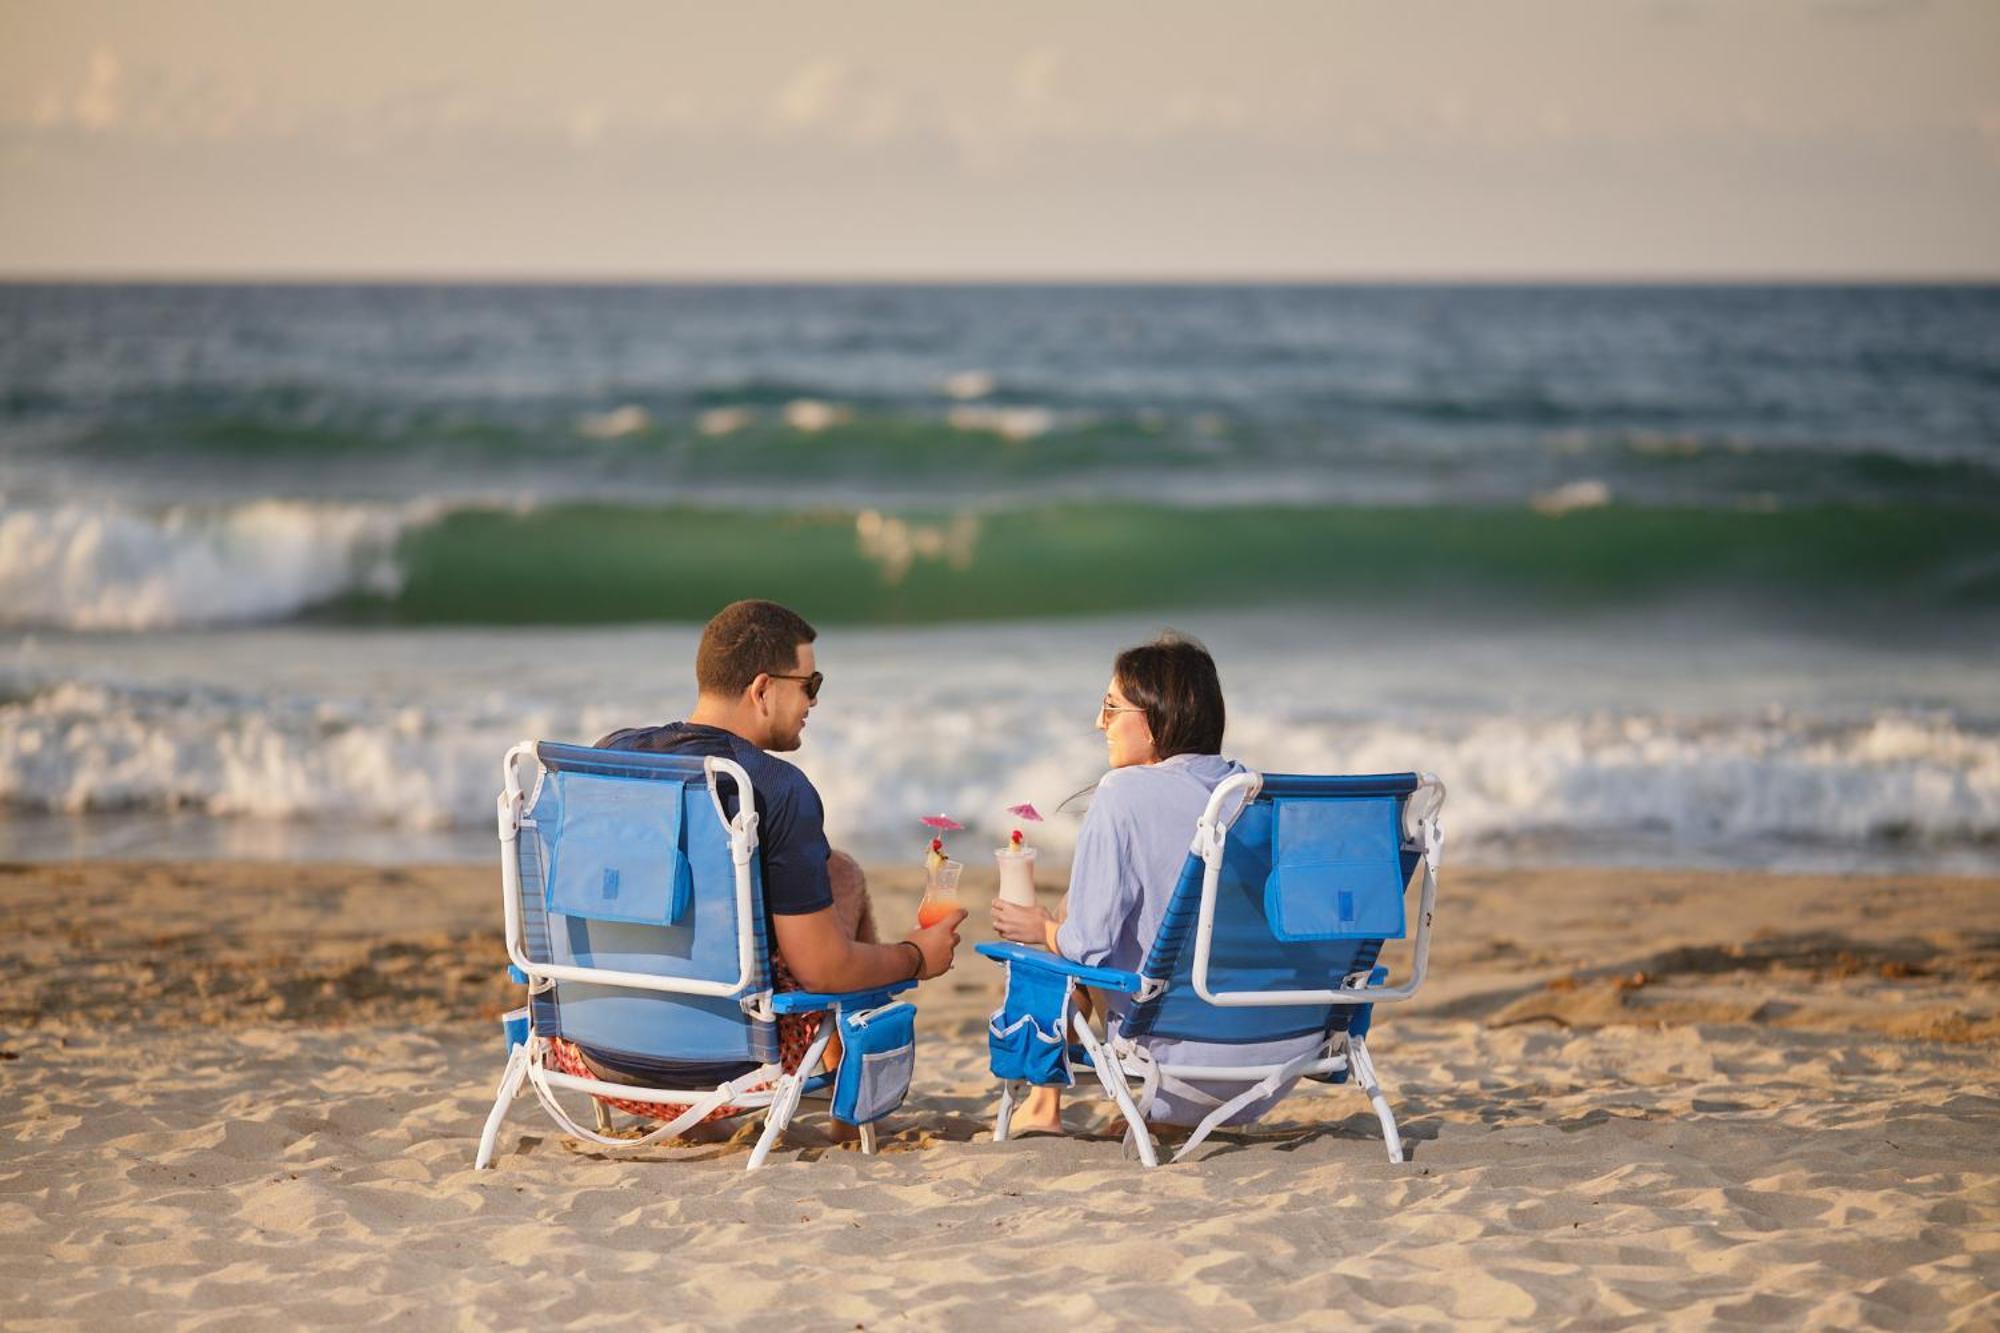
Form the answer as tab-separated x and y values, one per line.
745	640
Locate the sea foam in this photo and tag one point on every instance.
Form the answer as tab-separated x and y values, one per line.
105	566
1897	779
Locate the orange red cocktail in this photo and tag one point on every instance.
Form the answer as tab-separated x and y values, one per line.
940	890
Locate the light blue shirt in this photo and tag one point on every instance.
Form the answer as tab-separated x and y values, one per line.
1129	855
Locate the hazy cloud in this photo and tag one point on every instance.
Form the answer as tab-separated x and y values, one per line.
97	103
843	101
109	96
587	124
1035	77
813	94
1313	136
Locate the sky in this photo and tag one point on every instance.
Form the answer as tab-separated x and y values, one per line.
1333	140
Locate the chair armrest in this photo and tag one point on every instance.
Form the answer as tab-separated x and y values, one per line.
1020	955
812	1002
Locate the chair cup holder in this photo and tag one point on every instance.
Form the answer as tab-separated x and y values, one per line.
1027	1050
880	1057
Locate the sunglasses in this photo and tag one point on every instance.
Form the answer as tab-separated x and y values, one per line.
812	683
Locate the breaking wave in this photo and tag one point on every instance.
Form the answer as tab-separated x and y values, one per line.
107	567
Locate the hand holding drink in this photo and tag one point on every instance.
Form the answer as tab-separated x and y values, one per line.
937	942
1016	917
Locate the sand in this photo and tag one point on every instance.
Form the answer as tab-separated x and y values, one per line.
247	1095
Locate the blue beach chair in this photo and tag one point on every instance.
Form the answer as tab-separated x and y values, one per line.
635	917
1290	890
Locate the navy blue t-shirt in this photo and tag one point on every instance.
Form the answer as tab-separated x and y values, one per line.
791	843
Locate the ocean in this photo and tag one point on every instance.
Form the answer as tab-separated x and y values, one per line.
1703	576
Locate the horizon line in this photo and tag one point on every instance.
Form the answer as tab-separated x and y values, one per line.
394	278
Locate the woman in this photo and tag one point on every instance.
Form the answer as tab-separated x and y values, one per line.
1162	719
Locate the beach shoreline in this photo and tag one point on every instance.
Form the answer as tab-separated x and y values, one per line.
251	1091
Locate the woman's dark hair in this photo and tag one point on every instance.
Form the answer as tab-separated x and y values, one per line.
1173	678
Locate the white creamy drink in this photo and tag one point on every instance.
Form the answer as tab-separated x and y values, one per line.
1017	874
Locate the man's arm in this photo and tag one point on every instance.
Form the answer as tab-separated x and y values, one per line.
824	958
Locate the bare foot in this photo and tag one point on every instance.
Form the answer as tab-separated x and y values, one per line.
1041	1113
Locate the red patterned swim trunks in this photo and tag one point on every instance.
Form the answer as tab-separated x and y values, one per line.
796	1033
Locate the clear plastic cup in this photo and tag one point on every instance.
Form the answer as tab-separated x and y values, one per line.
940	894
1017	875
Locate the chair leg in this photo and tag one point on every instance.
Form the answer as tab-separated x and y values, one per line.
868	1140
776	1116
1112	1075
785	1098
1002	1121
1364	1074
510	1085
603	1115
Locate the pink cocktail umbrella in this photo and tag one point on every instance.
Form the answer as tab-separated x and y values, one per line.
1022	811
945	822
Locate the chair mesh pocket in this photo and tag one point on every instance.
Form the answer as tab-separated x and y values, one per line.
880	1058
1027	1051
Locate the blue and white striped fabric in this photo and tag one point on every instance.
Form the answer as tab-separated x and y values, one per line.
564	828
1134	891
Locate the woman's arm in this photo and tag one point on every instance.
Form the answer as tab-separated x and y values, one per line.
1103	889
1103	893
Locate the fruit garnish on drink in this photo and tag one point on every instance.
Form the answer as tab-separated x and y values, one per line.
1016	861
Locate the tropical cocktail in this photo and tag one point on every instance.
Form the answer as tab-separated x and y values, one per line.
940	886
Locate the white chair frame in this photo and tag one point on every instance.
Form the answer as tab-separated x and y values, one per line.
1119	1060
769	1087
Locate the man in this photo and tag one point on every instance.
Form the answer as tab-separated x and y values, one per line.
757	682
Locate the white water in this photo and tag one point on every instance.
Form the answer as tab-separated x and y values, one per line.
1680	742
106	566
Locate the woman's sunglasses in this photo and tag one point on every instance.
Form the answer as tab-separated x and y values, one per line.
812	683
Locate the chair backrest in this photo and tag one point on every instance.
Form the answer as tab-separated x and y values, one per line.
1311	884
626	866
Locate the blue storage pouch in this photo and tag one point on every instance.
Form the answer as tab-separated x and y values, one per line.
1026	1041
1336	870
617	853
514	1023
878	1058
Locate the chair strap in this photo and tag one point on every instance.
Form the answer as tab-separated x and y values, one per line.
1131	1055
1262	1088
697	1111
